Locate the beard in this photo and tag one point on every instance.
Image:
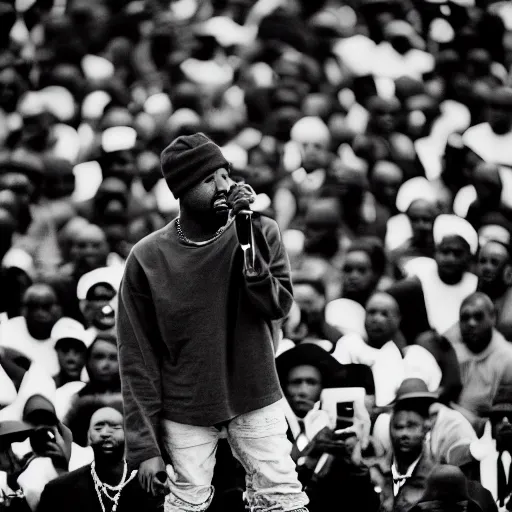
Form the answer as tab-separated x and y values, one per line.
39	330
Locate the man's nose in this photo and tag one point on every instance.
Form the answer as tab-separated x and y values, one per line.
222	184
451	257
303	390
472	321
487	266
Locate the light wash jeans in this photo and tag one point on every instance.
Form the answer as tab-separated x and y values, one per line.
257	439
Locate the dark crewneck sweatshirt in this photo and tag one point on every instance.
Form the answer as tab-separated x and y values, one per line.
196	336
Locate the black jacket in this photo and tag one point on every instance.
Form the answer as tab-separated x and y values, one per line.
75	492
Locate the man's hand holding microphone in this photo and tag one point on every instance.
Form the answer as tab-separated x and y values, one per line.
153	477
240	199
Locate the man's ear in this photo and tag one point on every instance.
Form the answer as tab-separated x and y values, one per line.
507	275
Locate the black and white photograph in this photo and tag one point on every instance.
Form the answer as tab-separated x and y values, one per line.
256	255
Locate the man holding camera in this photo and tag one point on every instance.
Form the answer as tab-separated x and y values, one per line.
326	456
200	306
42	451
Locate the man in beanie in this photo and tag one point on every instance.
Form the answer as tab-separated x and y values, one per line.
197	326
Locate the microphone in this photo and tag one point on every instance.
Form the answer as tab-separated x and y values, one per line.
244	232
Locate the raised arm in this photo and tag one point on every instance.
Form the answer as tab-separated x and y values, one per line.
269	287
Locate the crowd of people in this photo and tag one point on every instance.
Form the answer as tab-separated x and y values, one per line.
377	134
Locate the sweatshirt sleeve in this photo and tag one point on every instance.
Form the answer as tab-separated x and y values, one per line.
270	289
139	344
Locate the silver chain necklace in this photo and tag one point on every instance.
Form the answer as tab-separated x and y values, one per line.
182	236
102	488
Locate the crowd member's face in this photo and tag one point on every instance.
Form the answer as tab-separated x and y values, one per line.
386	181
41	310
303	389
106	434
407	430
310	302
315	155
383	120
493	261
452	257
100	297
71	355
209	198
116	237
9	89
103	366
289	76
121	165
36	131
348	183
502	431
91	21
259	173
90	249
58	186
358	274
382	319
111	201
422	215
476	325
20	185
499	119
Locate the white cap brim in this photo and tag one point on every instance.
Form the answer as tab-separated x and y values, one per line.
413	190
452	225
108	275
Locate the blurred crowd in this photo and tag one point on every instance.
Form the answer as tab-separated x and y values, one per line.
378	134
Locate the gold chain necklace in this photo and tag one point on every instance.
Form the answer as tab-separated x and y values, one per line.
103	488
182	236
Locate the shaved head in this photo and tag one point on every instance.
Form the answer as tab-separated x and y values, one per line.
384	299
480	299
477	320
382	320
40	290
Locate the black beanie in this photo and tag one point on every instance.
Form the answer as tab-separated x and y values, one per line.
189	159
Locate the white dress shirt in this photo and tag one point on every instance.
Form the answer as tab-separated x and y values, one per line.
398	479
